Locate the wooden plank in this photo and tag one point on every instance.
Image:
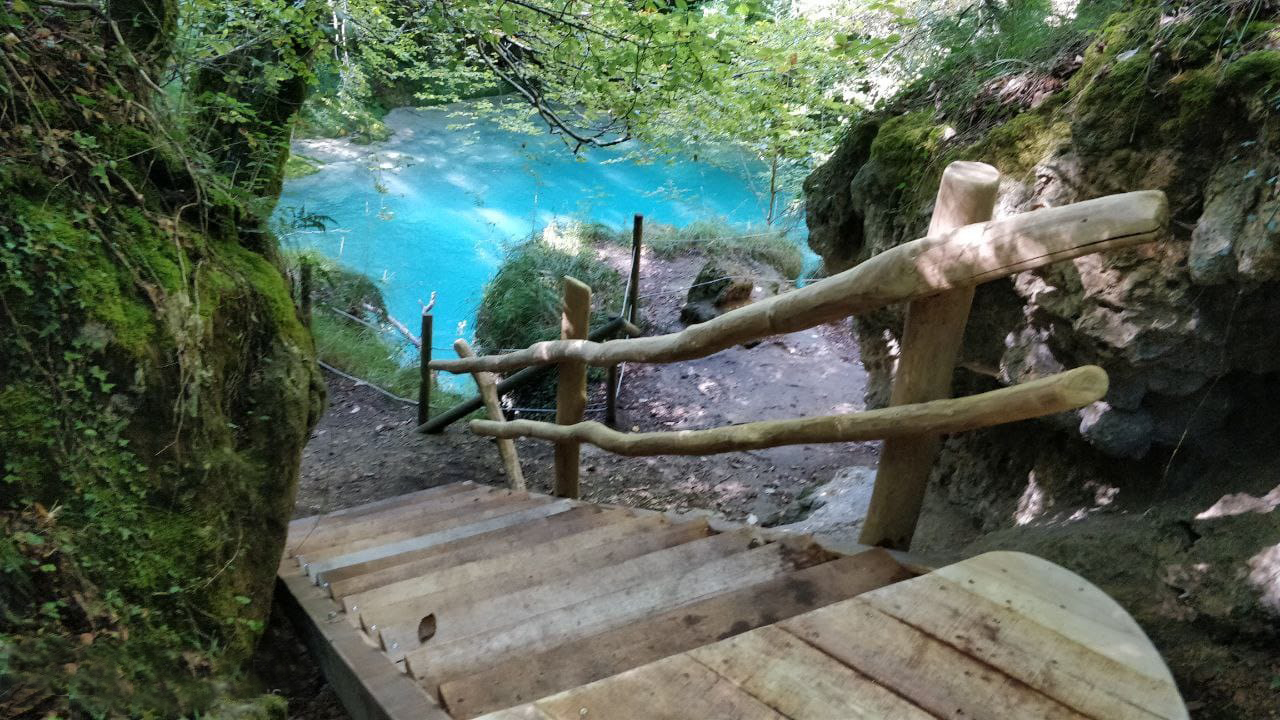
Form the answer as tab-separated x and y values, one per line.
436	664
403	518
487	385
398	623
316	570
601	655
571	386
405	528
929	673
966	256
359	577
481	611
1020	647
367	683
1045	396
673	689
799	681
584	552
931	338
303	527
1063	602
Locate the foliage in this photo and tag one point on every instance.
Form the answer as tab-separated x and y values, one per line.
522	304
717	238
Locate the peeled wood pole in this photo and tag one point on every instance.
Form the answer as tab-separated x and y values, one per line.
630	304
1057	393
930	345
486	382
424	388
571	389
964	257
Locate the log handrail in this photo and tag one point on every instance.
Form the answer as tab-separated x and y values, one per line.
967	256
1058	393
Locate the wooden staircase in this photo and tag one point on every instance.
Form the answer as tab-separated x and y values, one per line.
466	600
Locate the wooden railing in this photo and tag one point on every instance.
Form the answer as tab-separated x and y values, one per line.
936	275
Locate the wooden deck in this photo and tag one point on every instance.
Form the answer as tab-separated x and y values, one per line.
466	601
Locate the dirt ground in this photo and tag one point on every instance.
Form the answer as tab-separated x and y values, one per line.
366	446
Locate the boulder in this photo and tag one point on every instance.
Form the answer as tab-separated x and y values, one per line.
722	284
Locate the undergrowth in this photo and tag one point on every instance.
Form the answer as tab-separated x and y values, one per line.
717	238
378	356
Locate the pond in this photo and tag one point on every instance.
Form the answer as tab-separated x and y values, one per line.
433	208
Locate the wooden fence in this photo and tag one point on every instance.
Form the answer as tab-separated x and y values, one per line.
936	275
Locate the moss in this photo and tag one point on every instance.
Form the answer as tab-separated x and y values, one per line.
298	166
1018	145
1122	32
1256	73
906	141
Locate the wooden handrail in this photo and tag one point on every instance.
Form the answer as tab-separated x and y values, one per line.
1058	393
967	256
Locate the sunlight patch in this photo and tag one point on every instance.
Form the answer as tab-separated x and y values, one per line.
1241	503
1264	574
1031	504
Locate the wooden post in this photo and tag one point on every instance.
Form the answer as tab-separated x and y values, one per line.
633	286
424	388
630	303
571	390
930	344
304	291
487	384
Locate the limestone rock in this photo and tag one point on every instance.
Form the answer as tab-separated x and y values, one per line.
838	508
721	285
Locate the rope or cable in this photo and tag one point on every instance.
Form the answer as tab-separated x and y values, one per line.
366	383
716	280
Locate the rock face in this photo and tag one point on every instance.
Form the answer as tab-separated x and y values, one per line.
721	284
1186	327
157	387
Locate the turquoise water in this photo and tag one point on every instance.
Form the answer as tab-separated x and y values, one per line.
433	208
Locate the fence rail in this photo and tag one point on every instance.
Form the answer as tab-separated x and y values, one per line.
964	257
1058	393
936	275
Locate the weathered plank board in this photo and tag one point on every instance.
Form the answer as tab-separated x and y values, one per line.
553	558
356	578
528	677
369	685
304	526
461	618
522	514
398	622
677	688
437	664
801	681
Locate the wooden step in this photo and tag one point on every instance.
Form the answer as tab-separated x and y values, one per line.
416	519
607	561
436	663
485	610
467	526
578	552
302	527
530	677
357	578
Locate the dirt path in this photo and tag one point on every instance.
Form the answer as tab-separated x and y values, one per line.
366	448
